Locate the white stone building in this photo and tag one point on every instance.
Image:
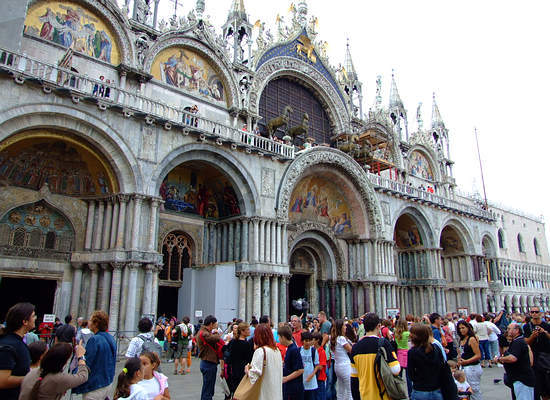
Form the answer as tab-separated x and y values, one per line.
115	194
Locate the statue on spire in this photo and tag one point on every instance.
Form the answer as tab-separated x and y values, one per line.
379	91
419	117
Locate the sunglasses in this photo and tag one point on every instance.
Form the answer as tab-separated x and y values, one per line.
534	312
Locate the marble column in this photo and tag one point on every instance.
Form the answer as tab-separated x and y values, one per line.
384	298
343	299
355	303
257	307
224	242
274	300
76	288
284	245
106	288
332	291
366	298
136	219
107	224
262	241
242	296
249	297
205	243
212	243
244	240
130	320
483	300
219	240
114	223
378	297
153	225
256	249
267	241
231	241
99	226
273	242
266	308
155	293
323	296
237	241
92	294
283	304
115	297
147	290
89	225
278	244
123	199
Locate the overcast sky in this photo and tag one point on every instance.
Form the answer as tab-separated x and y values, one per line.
487	61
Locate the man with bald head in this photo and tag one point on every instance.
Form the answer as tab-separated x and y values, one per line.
517	361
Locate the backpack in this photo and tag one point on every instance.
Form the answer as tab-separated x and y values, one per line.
395	385
150	345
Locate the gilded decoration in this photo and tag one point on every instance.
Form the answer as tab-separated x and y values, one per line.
406	234
186	69
317	199
198	188
420	166
68	166
74	27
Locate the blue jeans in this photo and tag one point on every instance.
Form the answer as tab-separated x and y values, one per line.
209	371
320	390
310	394
493	348
432	395
523	392
484	347
330	388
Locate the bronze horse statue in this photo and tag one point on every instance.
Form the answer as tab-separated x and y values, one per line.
300	129
349	146
281	120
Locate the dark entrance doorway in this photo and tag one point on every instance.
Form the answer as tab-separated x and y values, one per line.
168	301
40	292
297	289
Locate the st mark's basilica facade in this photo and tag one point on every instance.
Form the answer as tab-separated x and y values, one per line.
151	166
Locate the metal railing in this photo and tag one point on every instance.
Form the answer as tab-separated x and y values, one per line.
108	94
432	198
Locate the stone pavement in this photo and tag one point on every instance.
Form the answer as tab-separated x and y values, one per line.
188	387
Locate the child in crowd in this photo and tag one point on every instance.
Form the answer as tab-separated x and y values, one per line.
127	387
310	358
293	367
37	351
322	375
154	383
464	389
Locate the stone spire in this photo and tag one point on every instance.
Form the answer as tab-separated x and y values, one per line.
237	31
437	121
395	99
348	64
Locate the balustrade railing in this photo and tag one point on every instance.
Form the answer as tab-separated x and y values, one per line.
381	182
109	95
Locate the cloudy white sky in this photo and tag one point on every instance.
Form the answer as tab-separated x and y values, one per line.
487	61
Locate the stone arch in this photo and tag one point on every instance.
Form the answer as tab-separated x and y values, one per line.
490	240
501	239
325	238
465	235
178	249
218	62
84	127
421	219
336	160
239	176
309	76
430	156
113	17
73	210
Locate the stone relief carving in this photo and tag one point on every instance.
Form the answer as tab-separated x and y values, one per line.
293	66
148	148
385	206
341	161
295	231
268	182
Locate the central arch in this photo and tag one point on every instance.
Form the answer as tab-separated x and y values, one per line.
337	161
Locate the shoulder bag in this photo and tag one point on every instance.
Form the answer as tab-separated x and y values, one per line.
248	390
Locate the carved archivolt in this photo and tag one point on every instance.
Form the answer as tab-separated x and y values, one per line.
227	77
308	226
288	66
337	159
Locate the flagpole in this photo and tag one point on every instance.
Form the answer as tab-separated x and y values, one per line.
481	169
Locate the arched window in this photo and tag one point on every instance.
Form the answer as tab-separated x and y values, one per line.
19	237
50	240
177	251
501	244
536	246
521	247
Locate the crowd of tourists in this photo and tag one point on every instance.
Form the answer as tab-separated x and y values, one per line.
312	357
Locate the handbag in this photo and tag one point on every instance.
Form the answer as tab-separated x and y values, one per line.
248	390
